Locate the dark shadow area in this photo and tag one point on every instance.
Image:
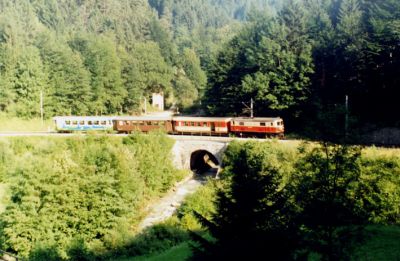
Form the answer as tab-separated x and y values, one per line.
151	241
201	161
203	177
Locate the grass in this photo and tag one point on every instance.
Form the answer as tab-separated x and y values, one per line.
375	152
177	253
14	124
383	243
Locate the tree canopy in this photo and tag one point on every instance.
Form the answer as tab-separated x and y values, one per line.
295	59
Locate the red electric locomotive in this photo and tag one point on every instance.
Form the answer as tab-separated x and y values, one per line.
260	127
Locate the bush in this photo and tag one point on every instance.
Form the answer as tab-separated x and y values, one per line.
380	183
316	202
156	239
87	189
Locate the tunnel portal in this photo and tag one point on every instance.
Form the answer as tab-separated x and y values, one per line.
202	160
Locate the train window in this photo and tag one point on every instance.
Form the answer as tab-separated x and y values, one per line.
120	123
141	122
103	122
82	123
241	123
90	123
149	123
67	122
127	123
198	124
109	122
162	123
262	123
192	123
205	123
75	123
97	123
272	124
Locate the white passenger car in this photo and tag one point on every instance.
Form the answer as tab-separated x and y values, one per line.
83	123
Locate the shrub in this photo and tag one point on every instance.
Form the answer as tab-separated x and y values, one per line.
87	189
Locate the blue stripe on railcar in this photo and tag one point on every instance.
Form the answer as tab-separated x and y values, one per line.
85	128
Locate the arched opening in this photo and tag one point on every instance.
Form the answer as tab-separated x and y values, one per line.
202	161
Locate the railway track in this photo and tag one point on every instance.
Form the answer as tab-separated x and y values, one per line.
176	137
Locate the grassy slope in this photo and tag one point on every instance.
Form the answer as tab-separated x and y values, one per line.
177	253
383	243
24	125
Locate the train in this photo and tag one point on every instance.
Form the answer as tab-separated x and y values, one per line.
177	125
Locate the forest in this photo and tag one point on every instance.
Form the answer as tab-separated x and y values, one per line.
295	59
329	68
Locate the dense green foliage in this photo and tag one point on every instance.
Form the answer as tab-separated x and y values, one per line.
89	57
79	195
296	59
275	202
301	63
269	62
326	188
252	212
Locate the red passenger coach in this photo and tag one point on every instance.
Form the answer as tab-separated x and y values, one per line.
201	125
129	124
262	127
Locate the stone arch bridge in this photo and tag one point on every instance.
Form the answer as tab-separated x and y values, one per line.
198	155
